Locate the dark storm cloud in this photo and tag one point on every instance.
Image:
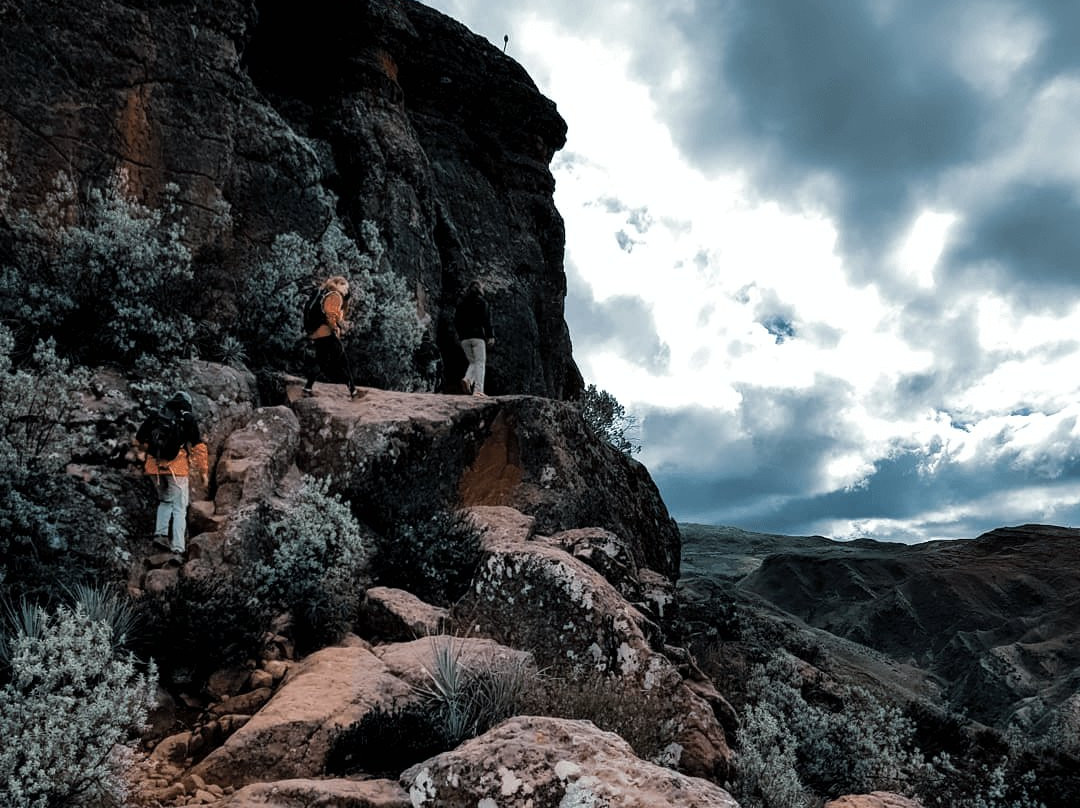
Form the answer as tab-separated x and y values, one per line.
870	99
768	492
622	324
773	445
825	86
1026	242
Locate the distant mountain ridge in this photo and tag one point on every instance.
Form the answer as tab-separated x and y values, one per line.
996	619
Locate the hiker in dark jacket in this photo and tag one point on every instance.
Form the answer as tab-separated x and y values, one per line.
330	354
472	320
171	476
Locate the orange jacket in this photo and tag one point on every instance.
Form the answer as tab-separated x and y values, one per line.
334	308
180	466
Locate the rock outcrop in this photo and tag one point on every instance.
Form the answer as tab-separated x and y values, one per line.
290	116
535	761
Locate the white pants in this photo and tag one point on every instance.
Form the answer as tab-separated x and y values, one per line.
173	496
476	352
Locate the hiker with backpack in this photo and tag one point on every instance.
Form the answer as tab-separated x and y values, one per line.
324	323
472	320
174	448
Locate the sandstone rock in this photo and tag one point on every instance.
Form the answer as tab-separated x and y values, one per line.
227	682
256	458
201	517
606	553
243	704
391	615
291	735
197	568
276	668
532	760
529	594
173	749
207	547
875	799
320	794
158	581
261	679
534	455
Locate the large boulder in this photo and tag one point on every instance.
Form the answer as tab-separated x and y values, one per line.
540	761
529	593
334	793
256	458
291	736
531	454
875	799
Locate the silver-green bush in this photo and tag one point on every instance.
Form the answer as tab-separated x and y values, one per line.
69	705
104	275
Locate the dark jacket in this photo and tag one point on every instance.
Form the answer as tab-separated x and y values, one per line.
472	320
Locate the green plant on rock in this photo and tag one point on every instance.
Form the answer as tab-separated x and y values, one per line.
608	420
312	562
435	558
642	717
66	710
36	442
104	276
800	749
385	742
471	695
199	625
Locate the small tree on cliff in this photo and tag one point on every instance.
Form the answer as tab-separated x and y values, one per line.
608	420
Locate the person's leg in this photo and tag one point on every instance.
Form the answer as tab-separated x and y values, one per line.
164	508
311	366
339	360
180	492
481	366
468	346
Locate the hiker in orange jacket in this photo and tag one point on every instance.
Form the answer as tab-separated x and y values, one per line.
330	354
172	476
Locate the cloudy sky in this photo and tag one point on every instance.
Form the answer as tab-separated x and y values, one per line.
827	251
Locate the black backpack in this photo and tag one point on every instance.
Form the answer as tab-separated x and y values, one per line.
314	316
163	434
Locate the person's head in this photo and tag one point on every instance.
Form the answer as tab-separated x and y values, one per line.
337	283
181	402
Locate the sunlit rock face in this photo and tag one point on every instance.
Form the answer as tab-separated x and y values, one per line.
274	117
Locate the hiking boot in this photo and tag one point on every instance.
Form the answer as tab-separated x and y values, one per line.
354	393
307	392
161	541
466	387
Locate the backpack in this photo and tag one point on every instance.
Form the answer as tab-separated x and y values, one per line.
164	435
314	316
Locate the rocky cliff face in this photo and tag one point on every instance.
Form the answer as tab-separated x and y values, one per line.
288	115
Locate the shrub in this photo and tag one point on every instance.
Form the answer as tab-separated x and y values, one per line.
199	626
607	419
386	742
70	702
435	558
36	443
643	718
860	747
272	293
470	696
311	562
103	278
386	329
